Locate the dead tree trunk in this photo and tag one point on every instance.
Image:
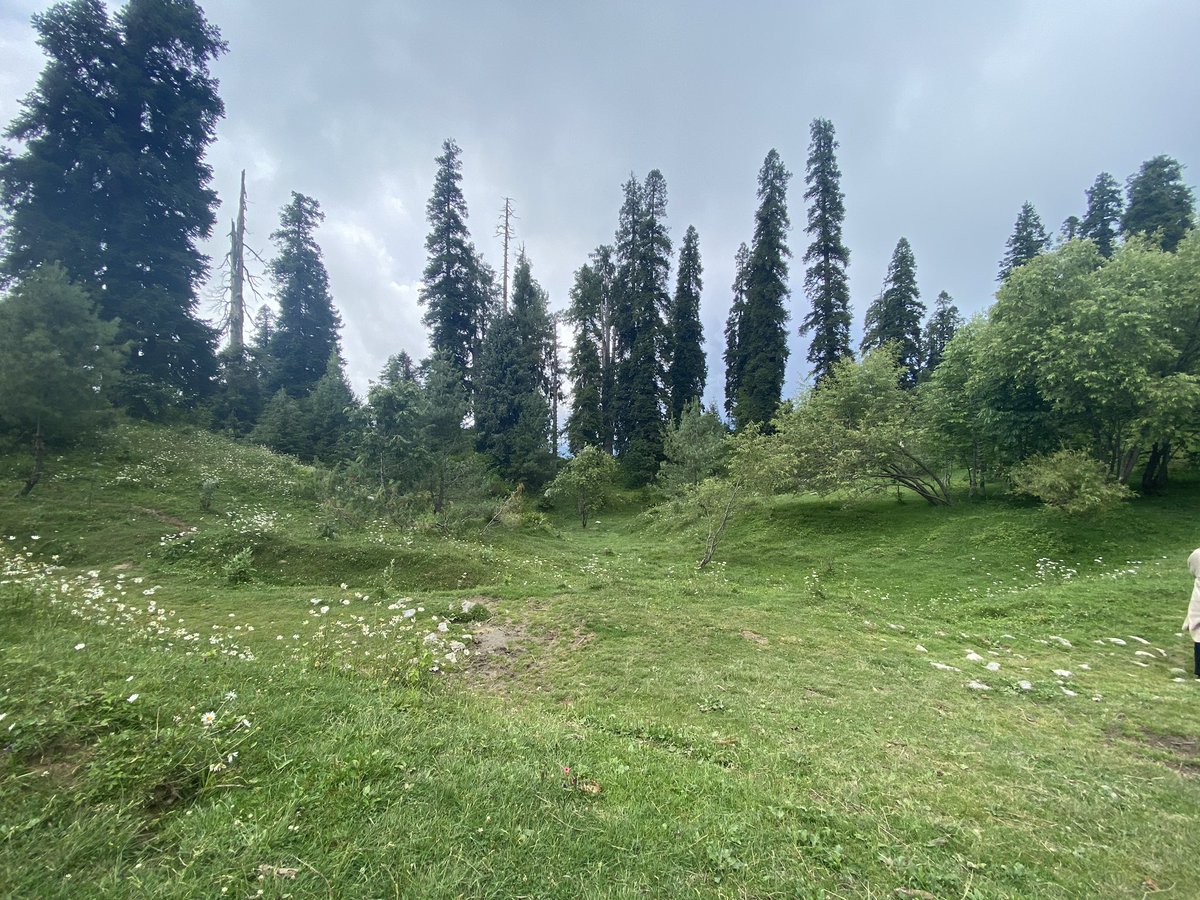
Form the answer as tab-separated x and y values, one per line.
237	276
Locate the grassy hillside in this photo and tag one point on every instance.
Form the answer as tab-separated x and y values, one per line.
878	700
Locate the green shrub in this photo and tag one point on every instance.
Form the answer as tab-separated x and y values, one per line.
1069	480
239	568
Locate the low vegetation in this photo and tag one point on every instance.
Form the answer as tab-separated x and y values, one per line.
854	699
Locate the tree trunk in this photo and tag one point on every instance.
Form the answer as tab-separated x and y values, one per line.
39	461
1128	463
1154	477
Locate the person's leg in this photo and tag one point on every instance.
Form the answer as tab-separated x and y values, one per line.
1196	650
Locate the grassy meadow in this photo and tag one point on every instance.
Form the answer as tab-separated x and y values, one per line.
875	699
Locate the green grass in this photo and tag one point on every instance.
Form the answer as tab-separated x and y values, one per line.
772	727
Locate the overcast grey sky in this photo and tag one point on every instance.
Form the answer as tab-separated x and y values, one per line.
949	115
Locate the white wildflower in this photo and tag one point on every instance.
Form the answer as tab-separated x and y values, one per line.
80	646
131	698
208	718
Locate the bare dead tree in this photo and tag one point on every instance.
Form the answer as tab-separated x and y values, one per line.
237	276
506	231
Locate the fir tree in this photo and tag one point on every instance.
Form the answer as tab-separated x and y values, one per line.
762	336
1102	221
284	427
1160	205
642	261
687	369
306	331
943	322
458	289
1071	229
512	408
735	360
827	257
331	413
444	405
585	424
58	363
895	316
111	180
1027	241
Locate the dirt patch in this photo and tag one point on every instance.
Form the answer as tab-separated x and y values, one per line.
1185	751
755	637
504	653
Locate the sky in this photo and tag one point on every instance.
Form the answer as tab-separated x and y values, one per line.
949	116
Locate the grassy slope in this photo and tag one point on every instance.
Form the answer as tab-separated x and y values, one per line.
767	728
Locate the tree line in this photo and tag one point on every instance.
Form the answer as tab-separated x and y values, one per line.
110	194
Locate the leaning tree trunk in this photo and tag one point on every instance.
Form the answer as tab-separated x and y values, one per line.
39	460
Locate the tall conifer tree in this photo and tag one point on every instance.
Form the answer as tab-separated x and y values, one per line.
762	335
1159	203
735	360
306	331
1029	239
687	369
458	289
827	257
895	316
112	182
512	407
643	266
585	423
1102	221
943	322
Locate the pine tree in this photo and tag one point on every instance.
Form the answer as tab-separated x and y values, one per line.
1071	229
458	289
1102	221
331	414
762	335
284	427
642	259
1028	240
306	332
512	405
585	424
735	360
1160	204
112	181
827	257
444	405
943	322
687	368
58	363
895	316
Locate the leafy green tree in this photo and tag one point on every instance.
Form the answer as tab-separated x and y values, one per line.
735	358
953	403
895	316
332	409
512	406
1160	204
827	257
1028	240
643	260
587	480
458	289
695	448
111	181
1109	346
943	322
1102	221
58	363
688	368
762	335
861	430
306	332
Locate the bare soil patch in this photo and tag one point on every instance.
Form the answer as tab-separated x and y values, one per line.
1184	750
164	518
755	637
